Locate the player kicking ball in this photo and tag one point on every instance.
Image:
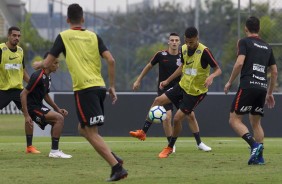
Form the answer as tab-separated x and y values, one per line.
32	97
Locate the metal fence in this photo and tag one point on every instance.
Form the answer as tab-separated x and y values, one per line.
268	10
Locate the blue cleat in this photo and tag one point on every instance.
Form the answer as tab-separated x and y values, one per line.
255	152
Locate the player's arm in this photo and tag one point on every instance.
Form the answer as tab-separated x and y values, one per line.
23	96
270	102
175	74
209	60
235	72
241	55
106	54
55	51
144	72
49	100
111	73
25	76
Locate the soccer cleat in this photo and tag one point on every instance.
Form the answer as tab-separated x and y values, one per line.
174	149
204	147
58	154
260	160
140	134
255	152
32	149
118	175
166	152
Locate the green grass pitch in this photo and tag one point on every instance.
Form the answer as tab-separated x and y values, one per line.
227	163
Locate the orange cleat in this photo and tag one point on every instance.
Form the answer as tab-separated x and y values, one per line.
166	152
32	149
140	134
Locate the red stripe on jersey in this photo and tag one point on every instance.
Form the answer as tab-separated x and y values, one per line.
237	99
80	109
37	80
209	53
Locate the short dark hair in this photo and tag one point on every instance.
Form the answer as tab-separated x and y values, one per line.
173	34
191	32
253	24
75	13
13	28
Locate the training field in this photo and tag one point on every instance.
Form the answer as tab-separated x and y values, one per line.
226	164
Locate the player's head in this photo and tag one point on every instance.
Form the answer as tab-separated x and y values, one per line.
14	34
54	66
252	24
173	41
75	14
191	37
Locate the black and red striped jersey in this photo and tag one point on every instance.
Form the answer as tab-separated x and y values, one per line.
167	65
38	86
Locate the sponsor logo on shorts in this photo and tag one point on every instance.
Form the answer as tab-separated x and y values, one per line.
246	109
96	120
259	109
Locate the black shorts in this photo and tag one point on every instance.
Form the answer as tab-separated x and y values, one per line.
249	101
37	115
7	96
168	106
90	106
175	95
185	102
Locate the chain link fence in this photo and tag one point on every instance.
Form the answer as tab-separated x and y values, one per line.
221	24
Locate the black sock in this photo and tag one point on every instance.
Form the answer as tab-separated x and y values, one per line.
117	167
146	126
168	139
172	142
55	143
197	137
29	140
249	139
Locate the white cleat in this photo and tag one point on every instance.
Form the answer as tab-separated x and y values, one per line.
58	154
204	147
173	149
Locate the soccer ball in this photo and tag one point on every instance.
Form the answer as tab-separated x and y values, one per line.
157	114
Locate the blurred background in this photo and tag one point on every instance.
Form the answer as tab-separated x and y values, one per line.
134	30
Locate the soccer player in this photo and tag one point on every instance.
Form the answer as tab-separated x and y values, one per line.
254	58
12	74
169	60
33	108
196	61
83	49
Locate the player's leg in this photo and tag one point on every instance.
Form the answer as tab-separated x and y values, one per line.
141	134
177	128
255	120
258	132
194	127
241	105
15	96
56	120
92	136
90	111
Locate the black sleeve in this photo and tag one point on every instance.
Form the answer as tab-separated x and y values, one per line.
242	47
101	45
0	56
208	59
271	59
155	59
58	47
